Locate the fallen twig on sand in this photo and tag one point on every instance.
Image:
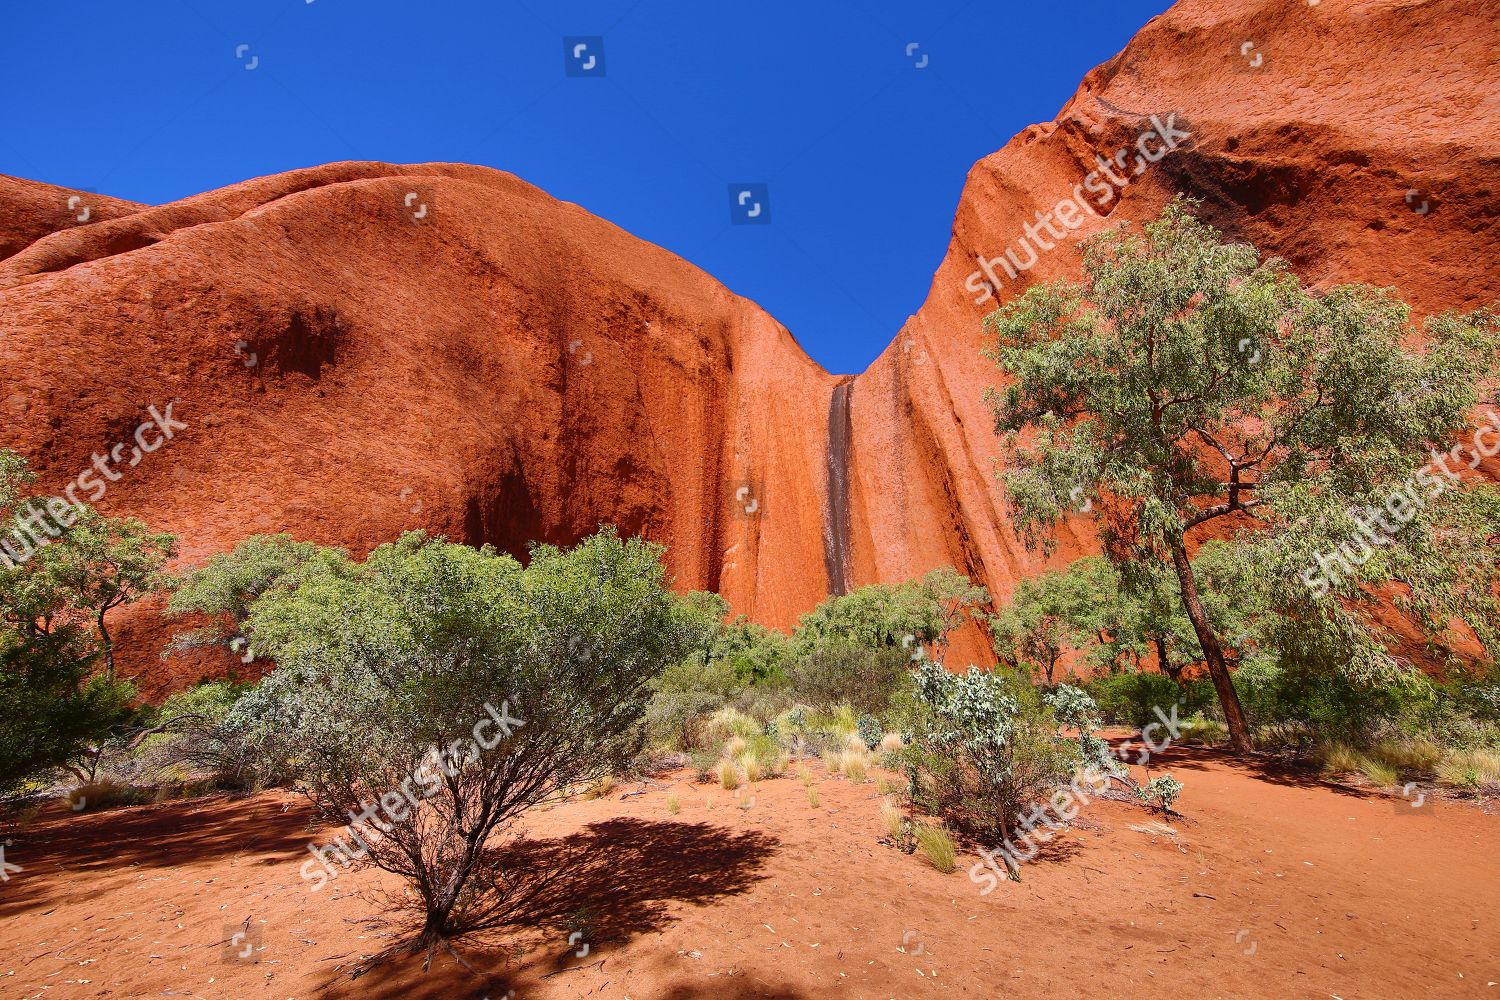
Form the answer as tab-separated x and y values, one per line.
575	968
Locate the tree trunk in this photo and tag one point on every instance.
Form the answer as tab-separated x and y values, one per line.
1164	660
109	650
1213	653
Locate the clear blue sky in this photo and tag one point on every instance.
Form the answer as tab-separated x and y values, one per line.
862	150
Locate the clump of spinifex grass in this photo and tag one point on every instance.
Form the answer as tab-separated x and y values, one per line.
729	775
937	847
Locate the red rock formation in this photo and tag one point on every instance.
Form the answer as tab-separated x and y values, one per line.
363	348
1357	116
29	211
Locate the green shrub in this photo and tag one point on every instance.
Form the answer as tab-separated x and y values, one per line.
684	696
1132	698
415	666
869	730
863	679
1160	793
1304	708
983	746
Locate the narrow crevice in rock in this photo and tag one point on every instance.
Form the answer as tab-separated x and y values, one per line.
836	515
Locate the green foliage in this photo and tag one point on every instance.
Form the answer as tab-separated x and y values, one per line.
191	740
870	732
756	654
1185	380
383	664
94	565
981	746
1300	707
861	678
1132	697
684	696
890	616
66	568
1160	793
51	708
227	586
1055	612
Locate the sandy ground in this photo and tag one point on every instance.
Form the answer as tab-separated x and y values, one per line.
1273	884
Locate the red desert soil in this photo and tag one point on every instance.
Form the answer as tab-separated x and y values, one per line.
1274	885
507	367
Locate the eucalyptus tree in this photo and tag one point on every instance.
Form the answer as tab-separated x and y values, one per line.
1186	386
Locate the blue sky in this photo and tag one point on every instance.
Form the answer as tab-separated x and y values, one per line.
860	119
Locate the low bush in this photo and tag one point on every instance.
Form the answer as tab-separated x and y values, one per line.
853	676
1160	793
1133	697
983	746
194	739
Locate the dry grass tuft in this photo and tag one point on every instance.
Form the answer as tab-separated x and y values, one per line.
812	796
106	795
853	765
1379	772
599	787
674	806
1470	769
937	847
729	775
1340	758
893	819
1418	756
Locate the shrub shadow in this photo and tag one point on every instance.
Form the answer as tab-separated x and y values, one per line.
64	853
614	879
608	883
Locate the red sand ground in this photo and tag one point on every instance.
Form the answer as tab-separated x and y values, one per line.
1274	885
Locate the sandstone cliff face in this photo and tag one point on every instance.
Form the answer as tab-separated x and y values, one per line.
360	348
1358	140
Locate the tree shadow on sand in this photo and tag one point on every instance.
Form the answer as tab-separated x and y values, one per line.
607	884
68	855
1263	766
